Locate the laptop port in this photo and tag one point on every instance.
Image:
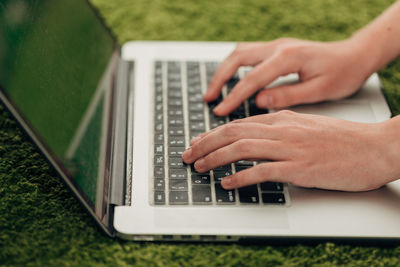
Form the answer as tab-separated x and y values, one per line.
167	237
208	237
186	237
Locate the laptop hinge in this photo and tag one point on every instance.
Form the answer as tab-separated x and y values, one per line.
119	149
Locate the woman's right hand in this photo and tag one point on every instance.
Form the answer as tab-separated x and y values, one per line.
327	71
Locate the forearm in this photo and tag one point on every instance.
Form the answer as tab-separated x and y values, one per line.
379	41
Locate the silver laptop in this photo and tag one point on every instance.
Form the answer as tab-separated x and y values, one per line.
114	122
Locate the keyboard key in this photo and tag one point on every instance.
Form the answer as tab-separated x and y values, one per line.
236	116
219	175
254	111
231	83
224	196
159	160
159	197
198	178
159	127
159	184
159	118
176	151
158	98
178	185
159	107
271	186
194	134
196	107
249	194
244	163
196	116
174	122
195	98
175	162
175	112
159	138
198	126
158	88
223	168
201	194
216	121
177	173
175	94
174	131
178	197
194	88
273	198
176	141
239	113
159	149
175	103
239	168
159	172
215	103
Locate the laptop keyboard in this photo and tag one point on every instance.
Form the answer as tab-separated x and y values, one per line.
180	115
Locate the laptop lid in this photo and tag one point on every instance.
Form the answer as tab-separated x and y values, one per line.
57	70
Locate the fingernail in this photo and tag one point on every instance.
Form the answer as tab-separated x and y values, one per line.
267	101
187	153
199	165
226	181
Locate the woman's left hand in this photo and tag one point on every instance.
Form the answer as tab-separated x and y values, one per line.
305	150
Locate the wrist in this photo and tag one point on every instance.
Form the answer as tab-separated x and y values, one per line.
368	54
391	140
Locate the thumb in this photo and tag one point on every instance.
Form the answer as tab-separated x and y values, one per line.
290	95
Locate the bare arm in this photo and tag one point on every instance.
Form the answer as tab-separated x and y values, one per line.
380	40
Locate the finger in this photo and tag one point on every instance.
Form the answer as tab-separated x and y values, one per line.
224	72
271	172
243	149
274	119
290	95
224	136
245	54
268	119
262	75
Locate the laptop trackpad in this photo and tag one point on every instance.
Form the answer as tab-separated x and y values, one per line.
247	217
357	111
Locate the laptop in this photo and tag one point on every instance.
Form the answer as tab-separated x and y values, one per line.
113	122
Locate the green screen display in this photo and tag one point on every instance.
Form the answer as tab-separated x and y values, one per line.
53	59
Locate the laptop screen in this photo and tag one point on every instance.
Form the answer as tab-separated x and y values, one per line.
55	68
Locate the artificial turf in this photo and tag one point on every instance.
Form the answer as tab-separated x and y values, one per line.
41	224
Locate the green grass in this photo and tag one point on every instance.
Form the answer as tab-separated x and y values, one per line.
41	224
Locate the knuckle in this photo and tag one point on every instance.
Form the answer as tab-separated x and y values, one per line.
230	130
242	146
285	113
287	50
237	54
197	149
